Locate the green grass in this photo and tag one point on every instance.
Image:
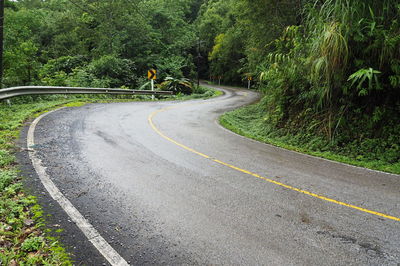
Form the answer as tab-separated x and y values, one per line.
250	121
24	238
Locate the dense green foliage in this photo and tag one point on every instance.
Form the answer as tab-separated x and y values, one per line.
98	43
329	69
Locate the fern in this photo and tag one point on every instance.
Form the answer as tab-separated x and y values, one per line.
363	75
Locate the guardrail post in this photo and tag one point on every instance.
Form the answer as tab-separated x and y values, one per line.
152	89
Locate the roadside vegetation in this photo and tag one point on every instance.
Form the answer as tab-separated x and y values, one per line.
329	72
249	121
23	238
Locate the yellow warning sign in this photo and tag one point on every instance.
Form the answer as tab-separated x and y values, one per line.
152	74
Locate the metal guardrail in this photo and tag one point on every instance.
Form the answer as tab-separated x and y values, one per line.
41	90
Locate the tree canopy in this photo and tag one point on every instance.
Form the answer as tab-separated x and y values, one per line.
97	43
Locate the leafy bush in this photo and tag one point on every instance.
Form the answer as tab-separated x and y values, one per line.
183	85
56	71
64	64
115	71
105	72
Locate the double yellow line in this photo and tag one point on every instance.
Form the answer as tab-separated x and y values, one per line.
151	117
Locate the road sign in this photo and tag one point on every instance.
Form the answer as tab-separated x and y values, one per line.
152	74
250	78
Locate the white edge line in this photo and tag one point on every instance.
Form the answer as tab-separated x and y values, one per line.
109	253
303	154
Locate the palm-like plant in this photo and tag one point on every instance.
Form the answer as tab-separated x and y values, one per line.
177	85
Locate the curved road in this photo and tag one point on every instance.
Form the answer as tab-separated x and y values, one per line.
163	183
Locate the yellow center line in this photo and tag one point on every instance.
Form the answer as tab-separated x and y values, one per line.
171	140
150	119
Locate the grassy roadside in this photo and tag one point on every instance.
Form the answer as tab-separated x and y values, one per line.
249	121
24	238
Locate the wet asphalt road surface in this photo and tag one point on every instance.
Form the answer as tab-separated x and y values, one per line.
157	203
